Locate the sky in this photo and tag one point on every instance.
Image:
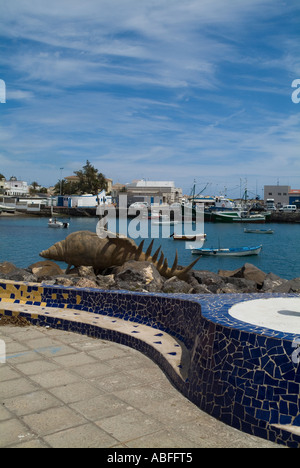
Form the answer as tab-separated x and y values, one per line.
183	90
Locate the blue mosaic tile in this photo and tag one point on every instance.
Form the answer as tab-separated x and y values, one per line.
240	373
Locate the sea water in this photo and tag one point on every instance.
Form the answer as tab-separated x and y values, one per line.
22	239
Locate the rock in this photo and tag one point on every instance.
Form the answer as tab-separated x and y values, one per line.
241	285
86	272
20	275
144	277
201	289
7	268
86	283
271	282
46	269
139	275
106	282
211	280
251	272
66	280
290	286
228	289
177	286
229	273
248	272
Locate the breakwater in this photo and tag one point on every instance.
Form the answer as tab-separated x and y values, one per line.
144	277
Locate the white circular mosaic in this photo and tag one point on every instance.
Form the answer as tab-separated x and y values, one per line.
281	314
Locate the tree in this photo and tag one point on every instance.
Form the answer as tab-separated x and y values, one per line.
90	180
64	187
33	190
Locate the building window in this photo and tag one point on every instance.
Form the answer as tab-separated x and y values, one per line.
270	193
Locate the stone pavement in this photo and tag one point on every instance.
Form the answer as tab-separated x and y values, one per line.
60	389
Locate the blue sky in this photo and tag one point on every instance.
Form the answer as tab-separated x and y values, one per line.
177	90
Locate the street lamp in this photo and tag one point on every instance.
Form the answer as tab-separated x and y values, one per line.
61	169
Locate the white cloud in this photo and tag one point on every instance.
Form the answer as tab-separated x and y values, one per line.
154	87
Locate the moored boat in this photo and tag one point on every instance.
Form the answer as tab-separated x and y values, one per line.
229	252
259	231
197	237
238	217
53	223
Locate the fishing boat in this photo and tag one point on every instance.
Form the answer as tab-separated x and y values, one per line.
53	223
230	252
259	231
197	237
238	217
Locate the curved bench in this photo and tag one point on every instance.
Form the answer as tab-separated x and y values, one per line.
239	373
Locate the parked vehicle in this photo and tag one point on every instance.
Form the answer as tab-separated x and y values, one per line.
288	208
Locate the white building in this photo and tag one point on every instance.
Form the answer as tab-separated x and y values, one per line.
153	191
279	193
15	188
83	201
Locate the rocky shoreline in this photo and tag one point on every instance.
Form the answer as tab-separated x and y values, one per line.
144	277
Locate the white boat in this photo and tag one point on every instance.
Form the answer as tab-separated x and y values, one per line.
164	222
53	223
230	252
197	237
259	231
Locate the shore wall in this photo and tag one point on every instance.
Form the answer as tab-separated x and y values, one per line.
239	373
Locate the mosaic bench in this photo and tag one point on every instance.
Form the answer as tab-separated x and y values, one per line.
240	373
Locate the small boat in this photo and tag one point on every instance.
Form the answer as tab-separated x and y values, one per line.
259	231
230	252
53	223
197	237
165	222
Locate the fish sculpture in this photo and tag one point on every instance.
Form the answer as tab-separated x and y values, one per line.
85	248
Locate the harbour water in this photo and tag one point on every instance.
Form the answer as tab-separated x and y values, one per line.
22	239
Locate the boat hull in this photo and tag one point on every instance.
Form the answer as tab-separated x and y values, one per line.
259	231
198	237
234	252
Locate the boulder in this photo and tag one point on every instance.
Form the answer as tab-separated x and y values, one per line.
201	289
138	276
212	281
66	280
251	272
239	285
176	286
271	282
248	272
7	268
20	274
106	282
290	286
86	283
45	269
86	272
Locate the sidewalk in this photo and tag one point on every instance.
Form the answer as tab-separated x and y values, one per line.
60	389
